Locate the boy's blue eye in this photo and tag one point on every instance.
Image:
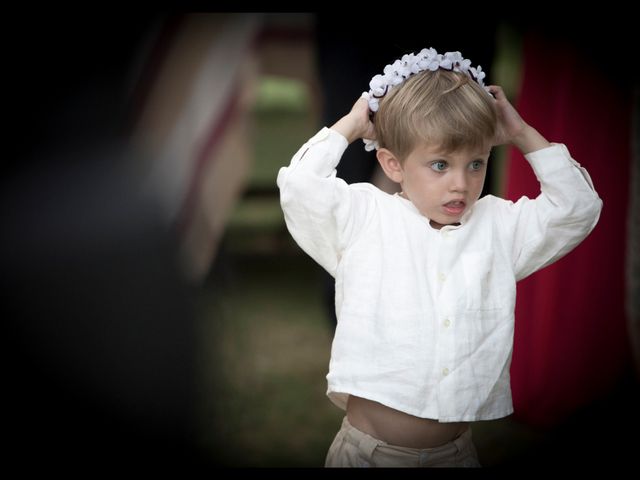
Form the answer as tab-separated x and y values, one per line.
439	166
476	164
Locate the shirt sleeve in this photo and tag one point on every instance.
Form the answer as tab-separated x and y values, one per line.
546	228
322	212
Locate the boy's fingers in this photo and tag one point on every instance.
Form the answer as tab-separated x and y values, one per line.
496	90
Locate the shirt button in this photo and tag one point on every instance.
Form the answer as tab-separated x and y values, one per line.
445	371
447	322
442	277
446	234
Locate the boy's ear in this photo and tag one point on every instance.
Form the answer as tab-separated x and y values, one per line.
390	165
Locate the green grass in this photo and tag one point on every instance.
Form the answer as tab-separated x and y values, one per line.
265	331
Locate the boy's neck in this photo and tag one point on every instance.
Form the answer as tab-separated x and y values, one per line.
438	226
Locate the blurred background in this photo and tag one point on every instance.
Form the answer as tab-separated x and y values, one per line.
159	314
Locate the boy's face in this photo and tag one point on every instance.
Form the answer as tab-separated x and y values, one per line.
444	186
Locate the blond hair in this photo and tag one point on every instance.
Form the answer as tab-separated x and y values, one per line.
439	107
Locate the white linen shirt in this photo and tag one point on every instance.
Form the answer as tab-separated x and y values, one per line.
426	316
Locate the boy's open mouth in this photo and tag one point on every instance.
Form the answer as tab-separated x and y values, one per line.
455	207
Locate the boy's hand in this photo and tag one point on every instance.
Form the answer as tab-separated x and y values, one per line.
512	128
510	123
356	124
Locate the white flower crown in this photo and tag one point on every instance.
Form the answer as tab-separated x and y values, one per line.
410	64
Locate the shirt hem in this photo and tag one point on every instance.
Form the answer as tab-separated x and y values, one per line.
333	392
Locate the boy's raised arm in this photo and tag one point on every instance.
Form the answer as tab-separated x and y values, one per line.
323	213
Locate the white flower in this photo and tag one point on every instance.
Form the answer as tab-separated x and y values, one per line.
436	64
456	59
378	85
370	145
427	54
444	61
407	62
478	74
394	73
463	66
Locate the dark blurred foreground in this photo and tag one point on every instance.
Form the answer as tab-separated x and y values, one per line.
99	354
100	345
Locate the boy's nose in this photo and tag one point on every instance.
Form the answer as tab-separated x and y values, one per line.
458	182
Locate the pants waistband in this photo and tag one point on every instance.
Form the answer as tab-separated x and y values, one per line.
367	444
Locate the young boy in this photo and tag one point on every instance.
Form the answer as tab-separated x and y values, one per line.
426	279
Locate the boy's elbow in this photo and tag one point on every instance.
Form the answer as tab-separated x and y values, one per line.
586	213
596	208
295	187
286	186
281	179
590	212
594	212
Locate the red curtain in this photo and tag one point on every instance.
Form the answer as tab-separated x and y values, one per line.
570	343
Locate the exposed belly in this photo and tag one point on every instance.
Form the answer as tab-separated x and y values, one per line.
399	428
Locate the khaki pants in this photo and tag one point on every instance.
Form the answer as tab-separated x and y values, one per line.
353	448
